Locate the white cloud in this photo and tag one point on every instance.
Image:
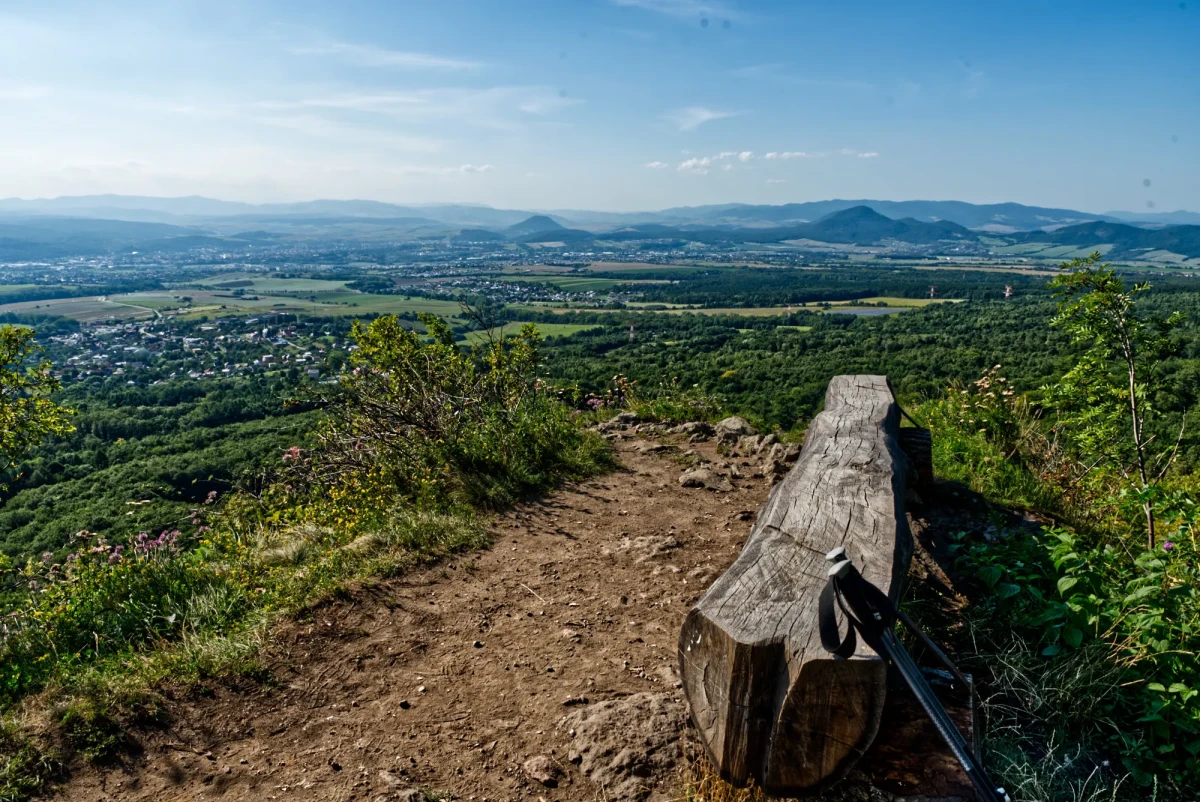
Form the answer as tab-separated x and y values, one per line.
746	155
692	117
473	168
493	107
680	8
728	167
657	165
776	180
372	56
727	154
697	165
868	155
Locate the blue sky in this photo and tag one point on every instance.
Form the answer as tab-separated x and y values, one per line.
604	104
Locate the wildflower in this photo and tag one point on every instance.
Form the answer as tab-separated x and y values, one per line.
46	556
1169	546
115	557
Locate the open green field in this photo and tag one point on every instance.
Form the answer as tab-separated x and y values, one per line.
1039	250
254	283
644	267
545	329
13	289
90	309
190	304
894	301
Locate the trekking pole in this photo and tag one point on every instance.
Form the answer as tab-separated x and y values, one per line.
871	613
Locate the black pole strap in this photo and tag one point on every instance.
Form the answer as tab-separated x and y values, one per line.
871	614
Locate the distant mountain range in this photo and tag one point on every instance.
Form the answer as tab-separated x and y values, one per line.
1000	217
110	223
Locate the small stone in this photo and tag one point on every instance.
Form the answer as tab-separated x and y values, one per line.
404	704
544	770
730	429
478	644
706	478
421	689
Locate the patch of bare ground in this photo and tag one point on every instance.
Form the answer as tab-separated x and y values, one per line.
451	679
543	668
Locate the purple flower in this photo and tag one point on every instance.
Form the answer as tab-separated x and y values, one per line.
1168	546
115	557
46	556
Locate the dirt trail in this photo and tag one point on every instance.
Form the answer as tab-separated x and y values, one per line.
452	678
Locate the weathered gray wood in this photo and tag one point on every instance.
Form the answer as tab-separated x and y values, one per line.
770	704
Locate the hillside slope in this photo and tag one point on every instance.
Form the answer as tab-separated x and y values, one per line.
580	598
557	646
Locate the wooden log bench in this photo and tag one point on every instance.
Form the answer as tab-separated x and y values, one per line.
769	703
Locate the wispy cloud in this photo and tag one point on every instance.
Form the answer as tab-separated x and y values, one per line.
372	56
657	165
697	164
681	8
776	180
787	155
690	118
501	107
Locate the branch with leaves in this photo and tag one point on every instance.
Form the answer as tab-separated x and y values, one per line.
1103	402
27	413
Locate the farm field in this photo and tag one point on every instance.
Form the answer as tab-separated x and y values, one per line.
268	284
644	267
89	309
896	301
545	329
217	303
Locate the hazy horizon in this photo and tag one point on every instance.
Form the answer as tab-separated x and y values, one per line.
606	105
555	209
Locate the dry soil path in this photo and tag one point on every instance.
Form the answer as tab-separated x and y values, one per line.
450	679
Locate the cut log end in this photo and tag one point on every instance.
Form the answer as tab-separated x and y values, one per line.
769	703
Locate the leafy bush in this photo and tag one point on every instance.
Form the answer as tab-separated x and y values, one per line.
1098	654
987	437
420	435
426	422
103	600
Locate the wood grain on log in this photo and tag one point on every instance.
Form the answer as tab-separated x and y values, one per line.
770	704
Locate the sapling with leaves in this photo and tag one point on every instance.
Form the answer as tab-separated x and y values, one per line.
1103	402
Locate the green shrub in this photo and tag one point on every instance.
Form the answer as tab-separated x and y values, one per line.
25	768
425	422
102	601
